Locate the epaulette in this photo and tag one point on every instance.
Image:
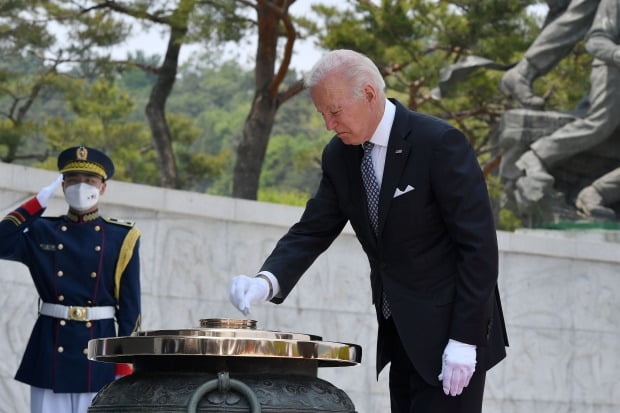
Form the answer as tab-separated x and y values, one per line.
119	222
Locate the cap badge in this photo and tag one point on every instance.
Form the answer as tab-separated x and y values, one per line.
81	153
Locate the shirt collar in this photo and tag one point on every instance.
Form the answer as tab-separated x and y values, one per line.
382	133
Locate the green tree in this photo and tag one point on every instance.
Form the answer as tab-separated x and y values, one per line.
293	159
176	16
33	66
216	96
99	111
213	22
271	91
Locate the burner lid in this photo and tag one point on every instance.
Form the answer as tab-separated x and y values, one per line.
230	338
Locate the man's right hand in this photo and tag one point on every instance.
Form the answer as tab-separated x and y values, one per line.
47	193
246	291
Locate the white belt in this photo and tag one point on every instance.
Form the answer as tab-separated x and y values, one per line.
75	313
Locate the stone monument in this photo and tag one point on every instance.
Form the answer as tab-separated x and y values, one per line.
559	166
518	130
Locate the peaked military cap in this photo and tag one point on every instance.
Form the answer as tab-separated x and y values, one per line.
85	159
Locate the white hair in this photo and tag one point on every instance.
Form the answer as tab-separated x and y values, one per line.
359	69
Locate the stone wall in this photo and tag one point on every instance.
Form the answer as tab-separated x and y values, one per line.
560	292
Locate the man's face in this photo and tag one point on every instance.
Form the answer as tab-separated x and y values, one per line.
75	178
354	120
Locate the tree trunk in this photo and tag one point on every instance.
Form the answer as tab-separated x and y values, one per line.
253	147
257	129
156	111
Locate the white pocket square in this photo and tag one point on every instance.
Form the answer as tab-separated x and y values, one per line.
398	192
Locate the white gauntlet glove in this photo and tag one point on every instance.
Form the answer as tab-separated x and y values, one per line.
245	291
47	193
458	365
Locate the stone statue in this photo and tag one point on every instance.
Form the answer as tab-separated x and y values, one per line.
533	180
556	165
554	42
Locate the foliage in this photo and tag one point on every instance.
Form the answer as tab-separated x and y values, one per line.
278	196
34	66
573	70
293	157
54	93
508	221
99	119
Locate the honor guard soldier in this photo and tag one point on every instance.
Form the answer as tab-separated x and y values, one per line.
86	270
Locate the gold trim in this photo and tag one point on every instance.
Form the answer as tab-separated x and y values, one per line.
18	215
124	257
84	166
137	327
12	219
91	216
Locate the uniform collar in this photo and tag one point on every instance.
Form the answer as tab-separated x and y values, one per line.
91	216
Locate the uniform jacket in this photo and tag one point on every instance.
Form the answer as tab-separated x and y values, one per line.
93	262
435	254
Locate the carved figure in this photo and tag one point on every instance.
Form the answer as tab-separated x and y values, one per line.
553	43
600	120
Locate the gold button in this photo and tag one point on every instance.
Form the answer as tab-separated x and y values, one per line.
89	324
97	248
97	228
63	228
60	349
86	351
60	246
61	298
63	322
93	275
60	273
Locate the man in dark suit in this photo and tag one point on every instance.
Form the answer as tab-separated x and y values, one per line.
86	270
430	238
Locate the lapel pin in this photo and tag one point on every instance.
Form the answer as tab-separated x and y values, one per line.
398	151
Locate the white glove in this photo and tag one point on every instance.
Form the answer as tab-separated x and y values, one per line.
458	365
47	193
245	291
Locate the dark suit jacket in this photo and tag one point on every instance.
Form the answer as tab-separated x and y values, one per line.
436	251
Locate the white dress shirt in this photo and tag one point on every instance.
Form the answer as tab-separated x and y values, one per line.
380	139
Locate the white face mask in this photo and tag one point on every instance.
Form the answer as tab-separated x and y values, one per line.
82	196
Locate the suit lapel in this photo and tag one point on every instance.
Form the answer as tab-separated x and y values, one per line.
395	160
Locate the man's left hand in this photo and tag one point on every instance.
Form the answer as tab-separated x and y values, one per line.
458	365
